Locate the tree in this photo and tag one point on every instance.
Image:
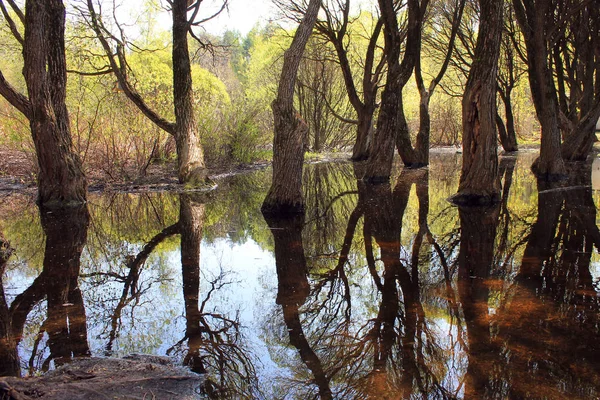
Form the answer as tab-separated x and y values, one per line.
420	153
336	29
576	56
285	194
479	181
510	72
191	168
322	100
61	180
510	68
535	20
388	130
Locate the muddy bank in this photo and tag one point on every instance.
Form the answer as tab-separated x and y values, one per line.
135	377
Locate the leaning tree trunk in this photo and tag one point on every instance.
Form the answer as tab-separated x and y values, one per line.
479	181
285	195
191	168
424	134
61	180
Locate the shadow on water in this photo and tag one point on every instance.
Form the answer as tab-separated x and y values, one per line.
378	292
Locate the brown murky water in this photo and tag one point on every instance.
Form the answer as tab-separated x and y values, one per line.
381	292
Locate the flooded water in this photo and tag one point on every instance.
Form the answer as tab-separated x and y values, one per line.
380	292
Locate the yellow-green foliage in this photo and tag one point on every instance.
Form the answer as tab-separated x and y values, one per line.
233	90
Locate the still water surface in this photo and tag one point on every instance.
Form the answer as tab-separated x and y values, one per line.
383	291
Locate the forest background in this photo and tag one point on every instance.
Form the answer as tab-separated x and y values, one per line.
235	78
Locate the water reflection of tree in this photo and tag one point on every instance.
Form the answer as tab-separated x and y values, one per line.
533	334
386	354
212	344
215	345
330	195
549	322
293	289
65	323
9	359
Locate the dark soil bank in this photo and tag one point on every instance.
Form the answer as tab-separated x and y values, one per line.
136	377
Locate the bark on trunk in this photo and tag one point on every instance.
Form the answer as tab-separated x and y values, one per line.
506	131
285	195
191	168
61	180
511	144
364	136
384	139
422	142
479	181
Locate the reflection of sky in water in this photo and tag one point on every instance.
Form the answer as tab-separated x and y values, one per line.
157	322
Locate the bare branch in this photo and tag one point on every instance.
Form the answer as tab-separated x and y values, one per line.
11	23
16	99
17	10
95	73
118	65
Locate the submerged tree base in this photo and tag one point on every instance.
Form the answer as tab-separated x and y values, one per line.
549	170
275	210
416	165
201	184
471	199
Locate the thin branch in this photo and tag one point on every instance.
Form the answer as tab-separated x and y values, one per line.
11	23
95	73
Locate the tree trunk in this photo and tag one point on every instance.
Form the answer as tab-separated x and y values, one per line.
479	181
506	131
385	137
285	195
403	142
422	142
364	135
511	143
502	133
191	168
61	180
